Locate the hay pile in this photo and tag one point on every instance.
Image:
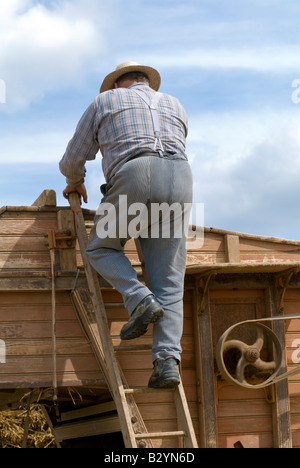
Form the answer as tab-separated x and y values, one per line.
12	424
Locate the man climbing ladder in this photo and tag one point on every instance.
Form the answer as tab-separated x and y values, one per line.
141	135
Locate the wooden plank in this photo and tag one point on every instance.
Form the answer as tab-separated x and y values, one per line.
22	243
243	408
35	347
248	441
28	225
41	380
67	257
232	248
38	281
29	212
242	267
25	260
281	407
47	198
87	428
253	245
160	435
25	325
33	330
88	411
28	298
243	235
39	364
205	374
246	424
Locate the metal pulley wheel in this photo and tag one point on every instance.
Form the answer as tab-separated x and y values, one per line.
238	361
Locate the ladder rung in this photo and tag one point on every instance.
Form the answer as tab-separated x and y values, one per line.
131	391
145	347
158	435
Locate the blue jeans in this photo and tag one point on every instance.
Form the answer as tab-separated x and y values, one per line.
148	180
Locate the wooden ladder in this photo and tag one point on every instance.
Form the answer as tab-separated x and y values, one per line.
92	314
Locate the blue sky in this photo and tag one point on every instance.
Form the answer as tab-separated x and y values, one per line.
232	64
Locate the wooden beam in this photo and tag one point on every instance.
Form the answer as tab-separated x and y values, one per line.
41	281
242	267
88	411
87	428
205	372
232	243
67	256
244	235
47	198
281	407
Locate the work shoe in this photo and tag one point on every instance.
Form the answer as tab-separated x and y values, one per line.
166	374
148	311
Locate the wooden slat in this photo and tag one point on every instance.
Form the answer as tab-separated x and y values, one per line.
281	415
205	373
37	364
29	225
25	325
233	248
160	435
64	379
87	428
89	411
67	256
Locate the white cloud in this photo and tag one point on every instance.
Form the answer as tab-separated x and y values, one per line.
246	170
278	59
49	48
39	147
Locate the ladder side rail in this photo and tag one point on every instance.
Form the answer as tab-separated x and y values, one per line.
182	409
115	379
81	301
184	417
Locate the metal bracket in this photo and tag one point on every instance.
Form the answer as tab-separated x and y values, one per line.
61	239
202	287
282	281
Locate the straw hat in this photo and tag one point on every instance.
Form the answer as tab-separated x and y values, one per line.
127	67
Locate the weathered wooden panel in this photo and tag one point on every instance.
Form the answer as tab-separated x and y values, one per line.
25	327
27	223
22	239
243	416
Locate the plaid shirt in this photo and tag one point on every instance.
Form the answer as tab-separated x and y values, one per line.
119	123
